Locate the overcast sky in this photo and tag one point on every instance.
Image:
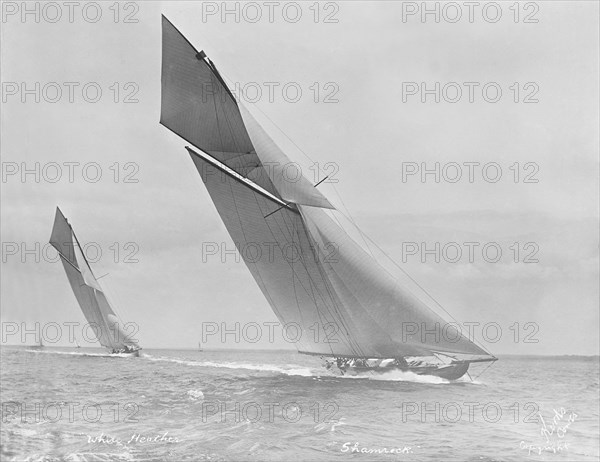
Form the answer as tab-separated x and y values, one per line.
371	133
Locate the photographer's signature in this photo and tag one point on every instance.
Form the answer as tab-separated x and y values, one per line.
553	431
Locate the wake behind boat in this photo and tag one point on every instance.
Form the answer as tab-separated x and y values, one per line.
90	296
350	309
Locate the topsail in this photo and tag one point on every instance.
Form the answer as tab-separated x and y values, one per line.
315	277
101	317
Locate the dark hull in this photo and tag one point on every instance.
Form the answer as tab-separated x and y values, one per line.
449	372
452	372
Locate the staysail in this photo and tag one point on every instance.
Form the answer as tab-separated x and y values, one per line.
102	319
333	298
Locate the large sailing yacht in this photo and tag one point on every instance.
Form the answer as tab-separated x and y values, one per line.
349	310
90	296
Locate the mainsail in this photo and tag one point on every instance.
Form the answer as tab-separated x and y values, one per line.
101	318
333	298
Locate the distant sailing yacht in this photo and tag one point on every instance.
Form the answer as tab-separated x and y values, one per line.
352	312
200	346
89	294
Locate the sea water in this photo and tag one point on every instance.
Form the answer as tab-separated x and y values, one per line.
178	405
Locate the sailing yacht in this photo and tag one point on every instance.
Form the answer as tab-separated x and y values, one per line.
349	310
90	295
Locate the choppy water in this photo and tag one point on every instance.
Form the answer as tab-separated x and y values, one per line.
79	405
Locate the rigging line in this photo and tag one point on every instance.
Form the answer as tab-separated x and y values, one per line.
313	163
311	294
269	298
226	77
262	284
103	289
354	345
294	276
335	314
321	181
335	189
313	286
312	283
67	260
331	292
349	217
361	233
489	365
309	277
277	210
313	251
231	132
84	289
276	126
292	231
111	300
415	282
258	165
98	316
82	250
217	119
268	295
339	223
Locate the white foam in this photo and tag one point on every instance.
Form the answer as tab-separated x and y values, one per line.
77	353
398	376
292	369
195	395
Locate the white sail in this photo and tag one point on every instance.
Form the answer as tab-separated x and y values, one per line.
103	321
197	105
312	273
286	176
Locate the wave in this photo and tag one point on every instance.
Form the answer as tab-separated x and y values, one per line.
296	370
399	376
97	457
76	353
195	395
289	369
292	369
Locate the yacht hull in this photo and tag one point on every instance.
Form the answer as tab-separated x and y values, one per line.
449	372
